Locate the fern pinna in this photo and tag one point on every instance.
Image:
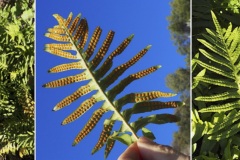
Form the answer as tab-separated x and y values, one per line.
72	34
216	90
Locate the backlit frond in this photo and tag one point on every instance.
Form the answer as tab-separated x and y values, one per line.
72	34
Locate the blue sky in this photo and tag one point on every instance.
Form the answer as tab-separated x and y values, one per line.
147	21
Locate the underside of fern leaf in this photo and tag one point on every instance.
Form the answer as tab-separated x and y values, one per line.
72	35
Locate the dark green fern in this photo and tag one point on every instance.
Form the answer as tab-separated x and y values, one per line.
72	35
216	91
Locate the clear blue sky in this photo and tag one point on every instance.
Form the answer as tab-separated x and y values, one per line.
147	21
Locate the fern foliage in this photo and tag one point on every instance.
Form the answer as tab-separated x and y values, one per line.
216	91
95	68
17	80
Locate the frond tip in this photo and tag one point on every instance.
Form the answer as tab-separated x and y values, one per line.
72	34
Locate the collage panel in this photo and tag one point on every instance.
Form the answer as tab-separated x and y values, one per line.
215	79
88	106
17	80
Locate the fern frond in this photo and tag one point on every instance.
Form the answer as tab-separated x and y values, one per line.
109	147
221	108
69	19
156	119
227	122
74	25
117	72
73	34
83	34
74	96
218	97
103	137
93	43
219	82
108	62
102	51
218	89
216	58
61	20
227	133
216	23
216	70
86	105
219	49
56	30
143	107
90	125
67	80
66	46
66	67
125	82
57	37
61	53
141	97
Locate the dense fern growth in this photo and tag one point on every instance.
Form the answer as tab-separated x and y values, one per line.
72	34
216	93
17	80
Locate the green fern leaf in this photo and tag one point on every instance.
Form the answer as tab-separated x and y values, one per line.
226	122
227	133
218	97
216	70
218	49
221	108
218	89
219	82
216	58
